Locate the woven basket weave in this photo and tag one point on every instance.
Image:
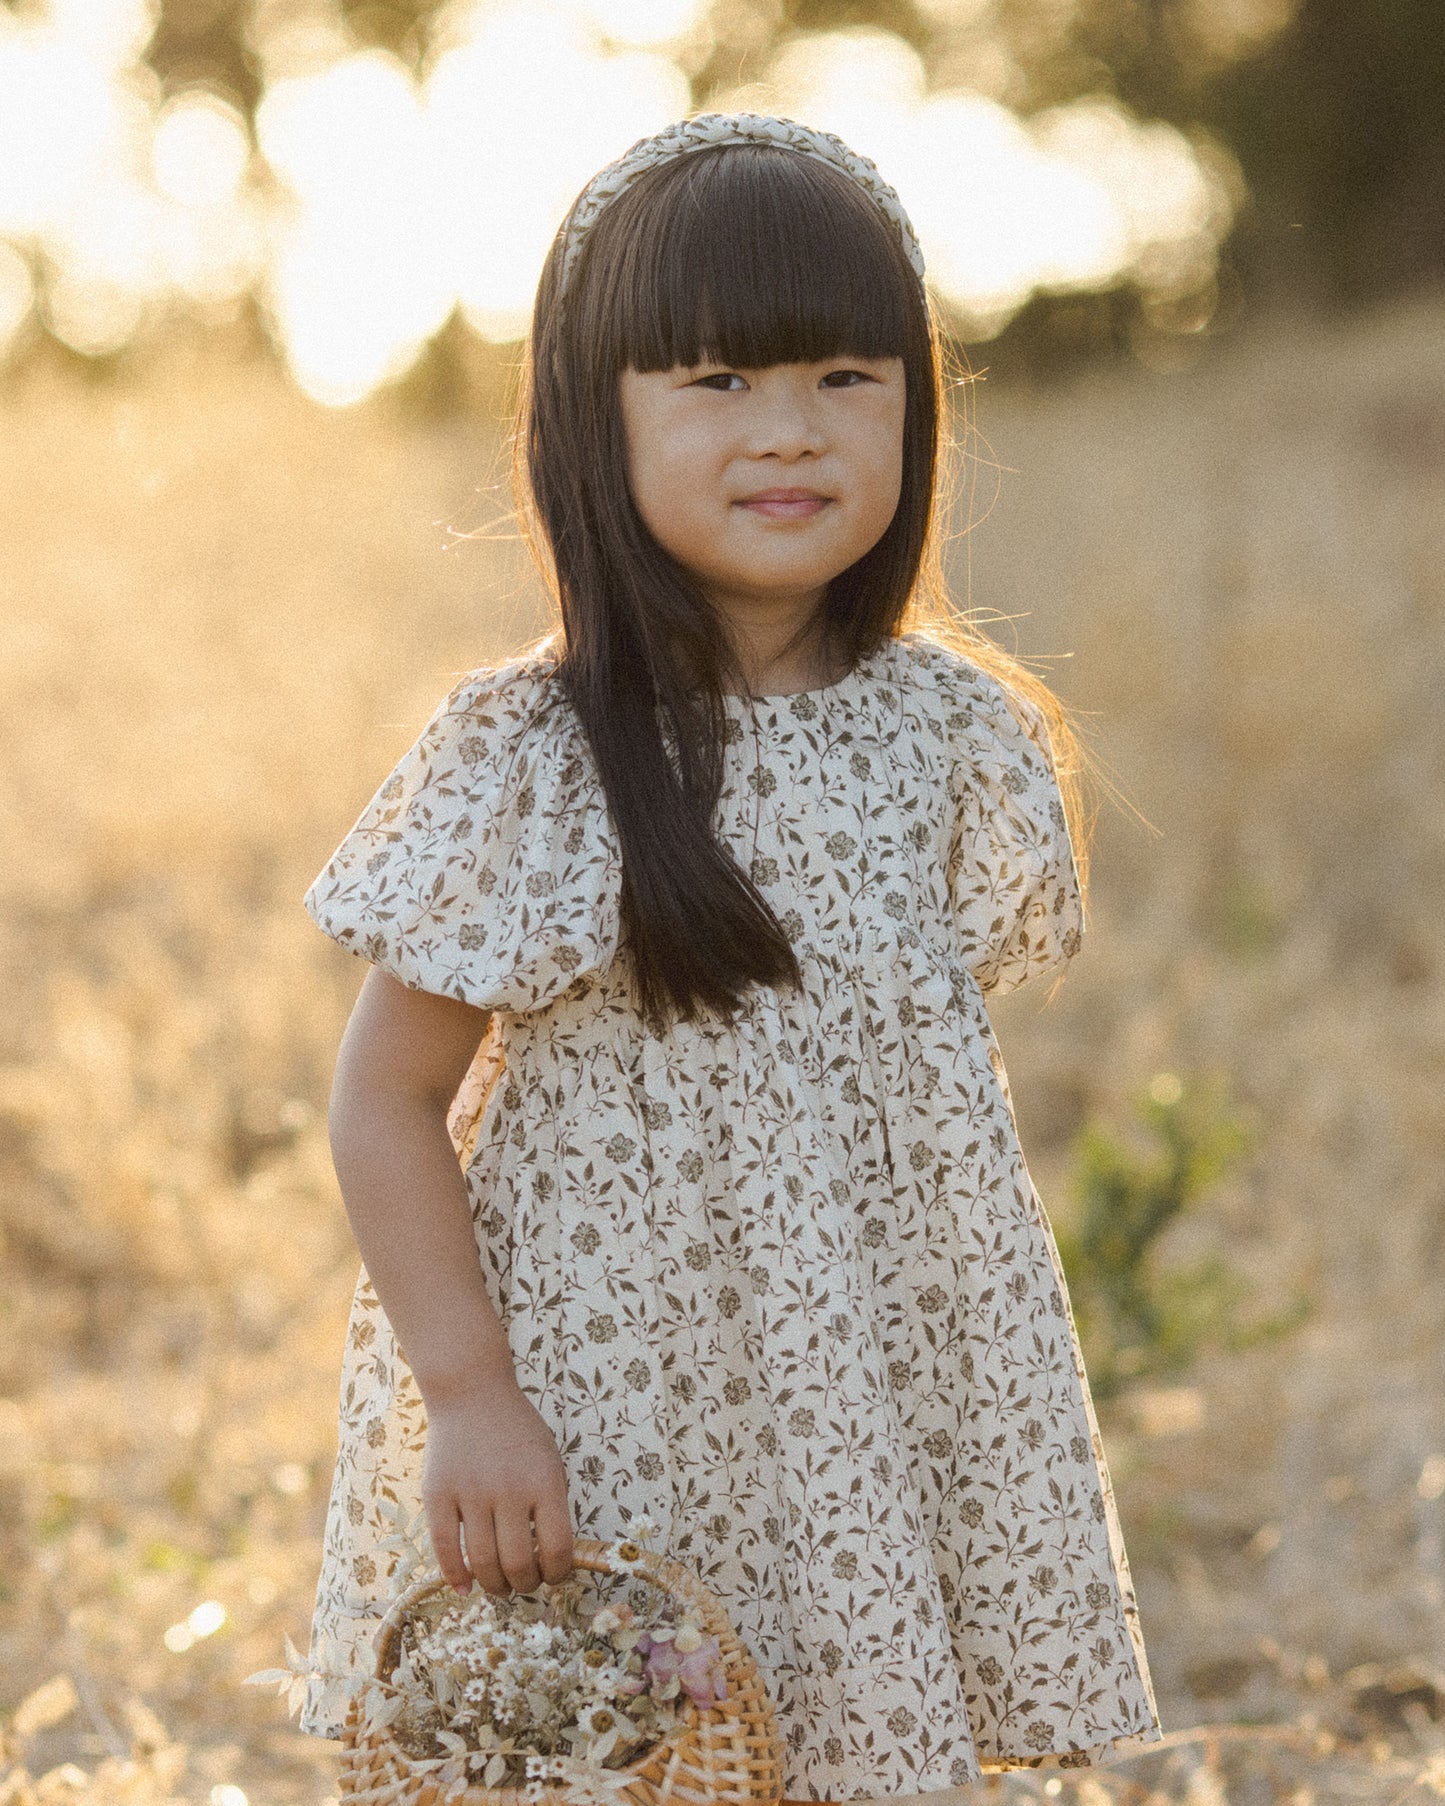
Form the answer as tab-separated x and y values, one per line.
728	1753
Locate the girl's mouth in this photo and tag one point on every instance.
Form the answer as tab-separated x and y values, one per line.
786	504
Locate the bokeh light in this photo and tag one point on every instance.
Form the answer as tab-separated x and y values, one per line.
522	115
199	150
358	280
643	23
67	113
386	198
1073	199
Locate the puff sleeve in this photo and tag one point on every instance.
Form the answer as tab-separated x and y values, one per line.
1011	872
485	867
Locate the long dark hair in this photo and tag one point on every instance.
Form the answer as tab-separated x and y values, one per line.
753	255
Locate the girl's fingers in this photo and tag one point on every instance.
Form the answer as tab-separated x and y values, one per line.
482	1546
514	1547
444	1524
553	1522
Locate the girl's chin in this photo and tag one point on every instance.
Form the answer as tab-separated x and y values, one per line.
758	587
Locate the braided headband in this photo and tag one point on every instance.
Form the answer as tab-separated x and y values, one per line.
703	132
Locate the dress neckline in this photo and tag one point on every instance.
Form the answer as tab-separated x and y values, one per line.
841	687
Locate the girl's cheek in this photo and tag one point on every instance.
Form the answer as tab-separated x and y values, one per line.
698	455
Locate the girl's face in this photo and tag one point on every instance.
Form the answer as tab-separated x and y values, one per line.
708	447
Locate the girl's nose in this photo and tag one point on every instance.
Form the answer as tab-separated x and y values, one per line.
787	426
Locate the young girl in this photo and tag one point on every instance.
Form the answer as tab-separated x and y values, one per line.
670	1121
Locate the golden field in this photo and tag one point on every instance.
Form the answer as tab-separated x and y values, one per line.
226	612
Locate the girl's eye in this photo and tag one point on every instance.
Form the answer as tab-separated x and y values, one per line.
862	375
721	376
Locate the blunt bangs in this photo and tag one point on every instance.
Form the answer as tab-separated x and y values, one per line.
750	257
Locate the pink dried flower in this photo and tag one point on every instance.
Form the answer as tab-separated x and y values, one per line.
698	1673
701	1674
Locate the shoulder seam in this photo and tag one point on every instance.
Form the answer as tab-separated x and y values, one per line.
523	689
490	680
1001	703
938	661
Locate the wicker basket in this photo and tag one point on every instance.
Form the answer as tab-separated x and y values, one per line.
729	1753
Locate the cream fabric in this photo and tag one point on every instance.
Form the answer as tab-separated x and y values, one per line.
786	1285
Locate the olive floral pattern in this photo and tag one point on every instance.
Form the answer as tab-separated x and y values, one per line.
783	1283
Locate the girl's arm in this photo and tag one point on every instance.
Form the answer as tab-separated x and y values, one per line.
492	1465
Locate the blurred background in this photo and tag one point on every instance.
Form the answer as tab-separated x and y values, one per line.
264	266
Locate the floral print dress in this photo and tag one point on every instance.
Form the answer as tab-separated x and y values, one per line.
783	1284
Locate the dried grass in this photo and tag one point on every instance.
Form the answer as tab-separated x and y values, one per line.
228	611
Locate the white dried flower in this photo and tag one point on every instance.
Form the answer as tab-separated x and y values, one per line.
597	1719
604	1681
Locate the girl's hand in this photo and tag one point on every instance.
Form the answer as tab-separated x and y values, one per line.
492	1470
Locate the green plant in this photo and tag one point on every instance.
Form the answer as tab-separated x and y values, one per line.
1140	1317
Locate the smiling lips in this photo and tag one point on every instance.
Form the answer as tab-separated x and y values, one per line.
785	504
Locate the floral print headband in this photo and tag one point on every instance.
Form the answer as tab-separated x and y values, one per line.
704	131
